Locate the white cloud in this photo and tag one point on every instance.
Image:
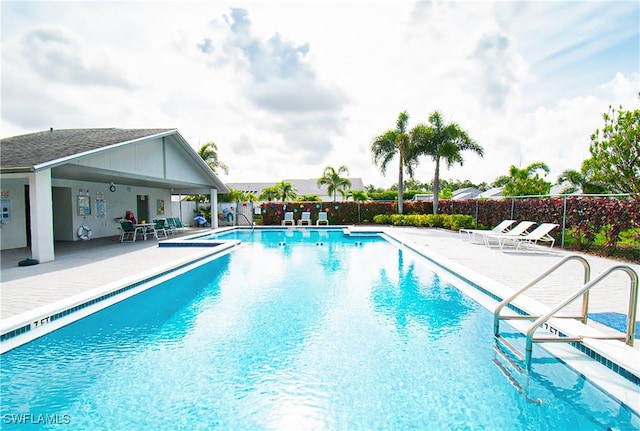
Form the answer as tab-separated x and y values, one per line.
286	88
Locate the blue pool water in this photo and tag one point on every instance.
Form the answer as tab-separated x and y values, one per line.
299	330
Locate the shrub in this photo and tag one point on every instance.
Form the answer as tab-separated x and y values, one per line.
382	219
447	221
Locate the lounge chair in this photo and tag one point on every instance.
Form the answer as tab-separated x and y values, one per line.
128	230
322	218
531	239
159	228
178	223
288	218
305	217
519	229
170	226
502	227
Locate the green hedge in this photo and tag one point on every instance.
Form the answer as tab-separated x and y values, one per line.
447	221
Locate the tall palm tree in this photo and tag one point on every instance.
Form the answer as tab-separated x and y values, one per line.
442	141
391	143
286	191
209	153
334	182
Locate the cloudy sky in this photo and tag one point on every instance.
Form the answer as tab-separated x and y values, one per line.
286	88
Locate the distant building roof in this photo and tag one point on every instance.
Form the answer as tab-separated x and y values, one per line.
558	189
422	197
302	186
494	193
466	193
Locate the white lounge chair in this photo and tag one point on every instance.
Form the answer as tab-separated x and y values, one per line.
502	227
518	230
322	218
531	239
288	218
305	217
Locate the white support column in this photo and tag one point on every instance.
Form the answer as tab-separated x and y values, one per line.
41	216
214	208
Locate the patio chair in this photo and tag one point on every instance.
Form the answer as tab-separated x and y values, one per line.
502	227
519	229
322	218
305	217
128	230
170	226
178	223
288	218
159	228
531	239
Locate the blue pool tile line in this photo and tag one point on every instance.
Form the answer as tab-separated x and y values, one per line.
192	243
15	332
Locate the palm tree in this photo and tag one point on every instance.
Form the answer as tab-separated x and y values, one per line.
358	195
334	182
286	191
391	143
269	193
580	181
527	181
442	142
209	153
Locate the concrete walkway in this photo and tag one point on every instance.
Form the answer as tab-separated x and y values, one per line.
80	267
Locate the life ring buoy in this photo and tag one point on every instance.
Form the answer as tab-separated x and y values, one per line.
84	232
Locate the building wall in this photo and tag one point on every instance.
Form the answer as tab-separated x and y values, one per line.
67	220
13	231
104	224
187	209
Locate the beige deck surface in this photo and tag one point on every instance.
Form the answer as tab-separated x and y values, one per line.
79	267
82	266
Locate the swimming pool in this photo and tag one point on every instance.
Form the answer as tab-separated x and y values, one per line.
301	328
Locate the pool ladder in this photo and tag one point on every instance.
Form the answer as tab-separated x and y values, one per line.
247	219
539	320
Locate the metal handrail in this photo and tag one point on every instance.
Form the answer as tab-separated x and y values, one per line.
247	219
585	300
631	316
238	213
